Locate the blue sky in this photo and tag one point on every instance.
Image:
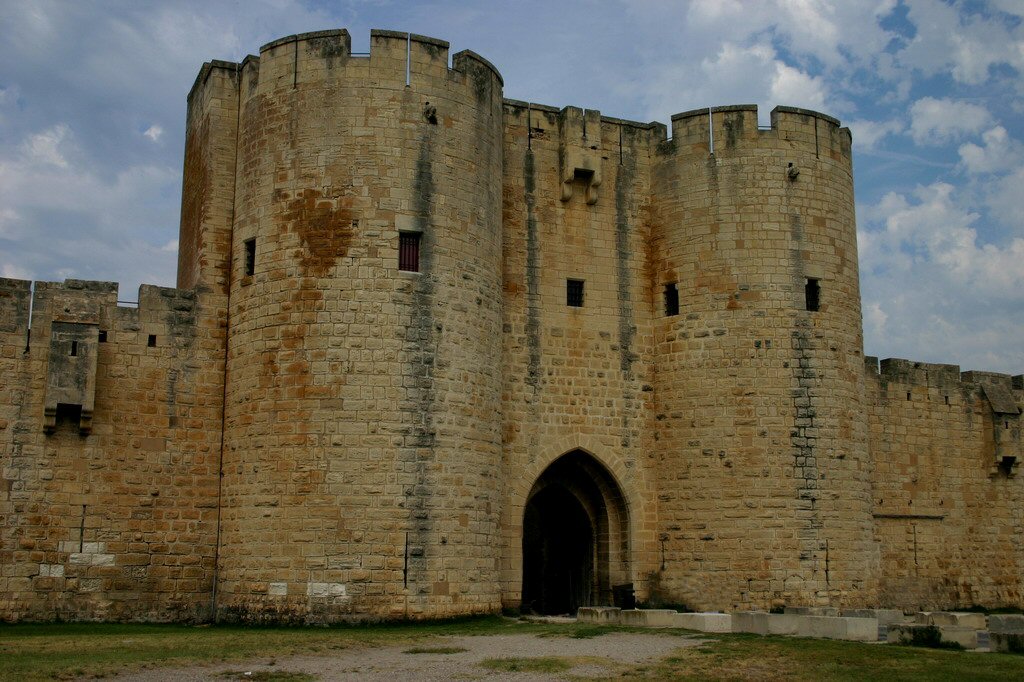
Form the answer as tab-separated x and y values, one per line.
92	106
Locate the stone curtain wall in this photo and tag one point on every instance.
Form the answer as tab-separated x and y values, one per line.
948	518
118	523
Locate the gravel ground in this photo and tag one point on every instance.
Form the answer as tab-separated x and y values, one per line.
609	654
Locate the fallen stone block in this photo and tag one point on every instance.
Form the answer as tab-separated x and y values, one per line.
957	618
703	622
920	634
598	615
783	624
883	616
647	618
1006	642
835	627
763	623
1011	623
755	622
812	611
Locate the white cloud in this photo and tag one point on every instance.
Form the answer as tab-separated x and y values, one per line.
5	99
1007	199
82	224
734	74
817	28
796	88
933	289
965	45
998	153
8	217
1013	7
13	271
867	134
44	147
938	121
875	320
154	132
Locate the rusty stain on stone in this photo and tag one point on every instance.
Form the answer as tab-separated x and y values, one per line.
324	227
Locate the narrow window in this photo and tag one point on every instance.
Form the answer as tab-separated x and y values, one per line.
74	349
250	257
574	293
103	336
671	299
908	395
152	341
812	294
409	251
947	399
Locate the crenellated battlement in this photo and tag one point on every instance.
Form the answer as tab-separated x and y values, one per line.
936	375
729	129
721	131
76	301
325	56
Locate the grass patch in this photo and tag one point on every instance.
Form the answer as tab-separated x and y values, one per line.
542	664
435	650
583	632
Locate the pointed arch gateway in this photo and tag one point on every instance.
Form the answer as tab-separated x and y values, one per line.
575	536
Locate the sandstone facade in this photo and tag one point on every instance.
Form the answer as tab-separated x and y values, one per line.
626	363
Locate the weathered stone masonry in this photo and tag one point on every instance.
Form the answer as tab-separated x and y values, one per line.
302	432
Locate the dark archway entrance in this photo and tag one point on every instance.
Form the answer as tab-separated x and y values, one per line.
575	537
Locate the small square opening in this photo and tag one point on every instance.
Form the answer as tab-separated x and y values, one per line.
671	299
812	294
409	251
103	336
574	293
152	341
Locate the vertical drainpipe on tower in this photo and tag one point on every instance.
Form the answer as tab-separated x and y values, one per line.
711	132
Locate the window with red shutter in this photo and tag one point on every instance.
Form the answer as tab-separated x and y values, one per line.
409	251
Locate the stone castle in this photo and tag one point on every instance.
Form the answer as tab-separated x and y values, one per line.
436	352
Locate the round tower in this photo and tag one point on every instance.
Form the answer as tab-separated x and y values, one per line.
362	431
761	418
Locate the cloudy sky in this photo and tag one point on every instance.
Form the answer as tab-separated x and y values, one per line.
92	106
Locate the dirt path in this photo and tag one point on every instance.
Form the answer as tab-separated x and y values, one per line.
606	655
